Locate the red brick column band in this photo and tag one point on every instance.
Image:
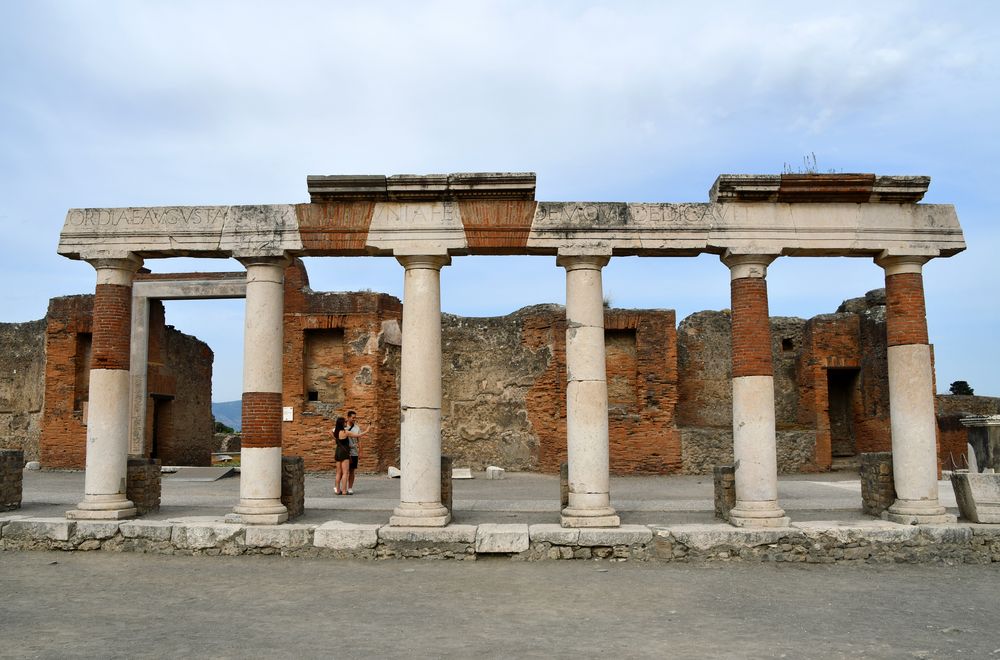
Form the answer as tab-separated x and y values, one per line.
112	326
261	419
906	318
751	328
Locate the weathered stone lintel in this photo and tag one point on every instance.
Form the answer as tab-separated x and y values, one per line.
422	187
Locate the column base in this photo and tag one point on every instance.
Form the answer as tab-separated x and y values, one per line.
103	507
261	512
917	512
603	517
420	515
758	514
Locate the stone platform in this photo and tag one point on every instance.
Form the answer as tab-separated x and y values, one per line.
806	542
665	519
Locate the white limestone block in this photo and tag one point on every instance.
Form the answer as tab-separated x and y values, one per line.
95	529
880	531
708	536
394	472
495	473
446	534
624	535
53	529
491	538
279	536
32	465
339	535
199	536
461	473
554	534
150	530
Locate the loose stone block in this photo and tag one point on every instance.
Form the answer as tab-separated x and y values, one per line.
554	534
27	529
393	472
978	496
11	478
279	536
201	536
150	530
461	473
431	535
624	535
495	473
345	536
494	538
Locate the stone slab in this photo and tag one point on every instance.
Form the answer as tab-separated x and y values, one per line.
447	534
93	529
708	536
496	538
554	534
881	531
150	530
461	473
114	514
338	535
52	529
199	474
624	535
201	536
279	536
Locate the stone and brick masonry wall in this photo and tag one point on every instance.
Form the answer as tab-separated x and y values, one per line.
179	384
22	386
877	489
293	485
11	478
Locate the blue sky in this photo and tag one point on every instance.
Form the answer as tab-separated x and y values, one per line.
160	103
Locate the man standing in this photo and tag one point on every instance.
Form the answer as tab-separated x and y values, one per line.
354	432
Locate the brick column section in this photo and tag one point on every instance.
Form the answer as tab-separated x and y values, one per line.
911	395
260	452
754	444
587	448
107	421
420	396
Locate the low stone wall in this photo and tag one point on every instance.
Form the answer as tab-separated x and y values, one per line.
11	478
446	487
142	484
878	491
293	485
808	542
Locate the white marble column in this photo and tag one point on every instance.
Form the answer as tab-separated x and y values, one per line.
754	443
108	408
911	395
586	396
420	396
260	454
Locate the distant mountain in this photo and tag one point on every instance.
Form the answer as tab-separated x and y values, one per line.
229	413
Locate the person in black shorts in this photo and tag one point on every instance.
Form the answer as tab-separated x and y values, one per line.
354	432
342	455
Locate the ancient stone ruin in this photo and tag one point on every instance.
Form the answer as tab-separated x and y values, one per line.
423	220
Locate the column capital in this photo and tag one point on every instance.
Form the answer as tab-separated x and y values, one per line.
582	261
424	261
747	265
116	270
897	264
281	262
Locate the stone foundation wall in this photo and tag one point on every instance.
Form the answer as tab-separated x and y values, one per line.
143	485
22	386
866	542
11	478
293	485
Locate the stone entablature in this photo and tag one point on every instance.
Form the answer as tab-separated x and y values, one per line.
435	214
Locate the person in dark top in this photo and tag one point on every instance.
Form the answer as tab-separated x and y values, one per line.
342	455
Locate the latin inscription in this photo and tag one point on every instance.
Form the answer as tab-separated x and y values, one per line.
417	215
187	216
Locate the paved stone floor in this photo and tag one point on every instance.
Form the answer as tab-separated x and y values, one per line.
111	605
520	498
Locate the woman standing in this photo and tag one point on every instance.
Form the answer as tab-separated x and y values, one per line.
341	456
